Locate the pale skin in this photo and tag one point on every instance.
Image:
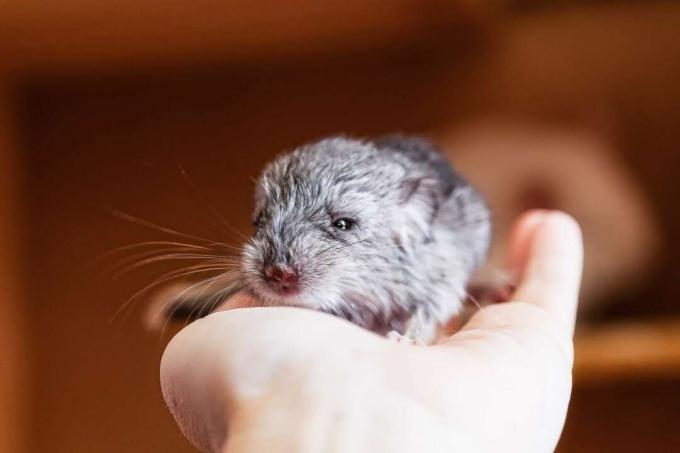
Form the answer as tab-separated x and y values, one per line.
293	380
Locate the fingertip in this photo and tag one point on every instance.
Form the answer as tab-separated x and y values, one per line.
532	216
551	272
554	220
557	234
520	236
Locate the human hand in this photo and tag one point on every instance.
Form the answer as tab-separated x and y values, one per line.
289	380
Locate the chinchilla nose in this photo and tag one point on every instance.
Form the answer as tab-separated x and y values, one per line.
282	279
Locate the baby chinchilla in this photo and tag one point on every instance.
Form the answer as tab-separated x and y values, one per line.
383	233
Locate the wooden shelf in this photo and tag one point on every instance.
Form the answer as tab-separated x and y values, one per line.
627	350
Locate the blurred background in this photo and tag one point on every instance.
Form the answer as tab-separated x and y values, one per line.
563	104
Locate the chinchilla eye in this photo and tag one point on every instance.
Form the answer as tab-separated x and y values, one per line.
343	224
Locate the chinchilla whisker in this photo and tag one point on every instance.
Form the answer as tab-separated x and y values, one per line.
474	300
176	302
137	245
176	305
216	259
179	273
145	223
210	207
163	279
217	298
159	252
336	247
205	304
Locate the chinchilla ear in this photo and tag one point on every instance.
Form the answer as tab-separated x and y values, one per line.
430	187
420	198
423	191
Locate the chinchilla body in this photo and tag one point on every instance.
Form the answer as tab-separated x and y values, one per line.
383	233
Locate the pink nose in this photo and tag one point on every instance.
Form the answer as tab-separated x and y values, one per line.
282	279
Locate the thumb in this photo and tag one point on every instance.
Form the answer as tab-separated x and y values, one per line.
550	254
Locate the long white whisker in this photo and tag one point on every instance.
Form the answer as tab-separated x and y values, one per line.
145	223
176	306
126	247
158	252
214	212
474	300
165	278
172	257
217	297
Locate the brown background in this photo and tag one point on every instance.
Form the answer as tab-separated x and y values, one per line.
97	122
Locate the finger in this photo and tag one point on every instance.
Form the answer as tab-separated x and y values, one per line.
239	300
520	237
551	271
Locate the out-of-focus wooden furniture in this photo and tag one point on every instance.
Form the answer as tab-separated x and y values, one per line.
620	351
13	348
68	35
